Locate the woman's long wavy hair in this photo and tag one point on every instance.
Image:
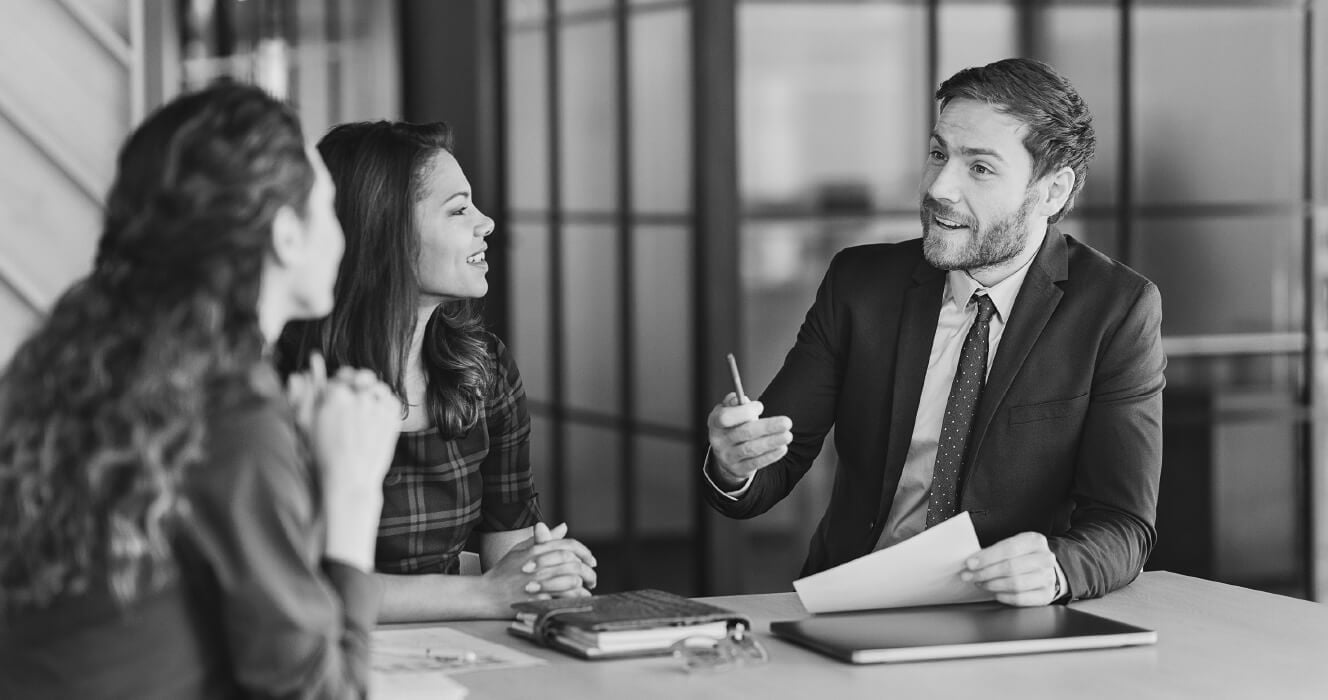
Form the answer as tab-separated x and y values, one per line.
103	407
379	169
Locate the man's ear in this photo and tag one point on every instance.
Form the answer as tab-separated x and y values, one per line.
288	239
1059	186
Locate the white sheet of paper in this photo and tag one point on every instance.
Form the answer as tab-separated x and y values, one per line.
415	686
922	570
417	661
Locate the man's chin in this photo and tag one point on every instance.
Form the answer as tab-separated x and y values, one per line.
937	251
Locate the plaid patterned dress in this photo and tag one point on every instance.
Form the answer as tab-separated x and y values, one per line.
437	491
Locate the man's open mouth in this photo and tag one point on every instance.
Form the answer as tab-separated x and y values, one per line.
947	224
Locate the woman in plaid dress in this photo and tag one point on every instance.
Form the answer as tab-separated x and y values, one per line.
406	308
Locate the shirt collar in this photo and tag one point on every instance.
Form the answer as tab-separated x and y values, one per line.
960	286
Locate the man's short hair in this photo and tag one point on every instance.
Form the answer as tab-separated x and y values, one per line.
1060	127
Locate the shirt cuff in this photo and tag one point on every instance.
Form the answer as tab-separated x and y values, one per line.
731	495
1062	586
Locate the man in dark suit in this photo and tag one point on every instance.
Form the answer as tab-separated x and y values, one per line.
995	366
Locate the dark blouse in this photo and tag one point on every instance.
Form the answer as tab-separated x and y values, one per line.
439	491
88	646
294	624
256	611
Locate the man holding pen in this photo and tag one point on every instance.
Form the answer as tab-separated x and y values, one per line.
995	366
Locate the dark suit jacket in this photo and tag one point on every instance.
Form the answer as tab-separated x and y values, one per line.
1067	440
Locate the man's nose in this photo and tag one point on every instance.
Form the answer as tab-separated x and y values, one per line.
945	185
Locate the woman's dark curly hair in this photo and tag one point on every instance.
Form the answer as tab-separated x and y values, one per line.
103	407
379	169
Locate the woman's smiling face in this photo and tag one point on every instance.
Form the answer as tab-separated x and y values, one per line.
452	232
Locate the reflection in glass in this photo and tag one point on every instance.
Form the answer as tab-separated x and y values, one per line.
975	34
571	7
1280	374
833	109
594	481
1229	507
590	310
662	273
528	122
1096	231
1081	41
1321	124
525	10
588	113
1218	110
1224	275
661	111
665	486
247	41
528	255
1256	513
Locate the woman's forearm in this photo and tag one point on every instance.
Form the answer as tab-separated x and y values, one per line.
424	597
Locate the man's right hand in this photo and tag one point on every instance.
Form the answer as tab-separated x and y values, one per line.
742	442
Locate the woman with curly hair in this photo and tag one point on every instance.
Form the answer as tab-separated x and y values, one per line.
171	524
406	309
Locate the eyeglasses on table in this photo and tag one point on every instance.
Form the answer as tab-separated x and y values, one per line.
739	648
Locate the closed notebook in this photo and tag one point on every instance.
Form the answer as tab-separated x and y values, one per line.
955	631
633	623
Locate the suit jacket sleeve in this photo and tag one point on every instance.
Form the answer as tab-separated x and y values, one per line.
1119	457
805	389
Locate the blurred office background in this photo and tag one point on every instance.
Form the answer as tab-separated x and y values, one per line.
671	177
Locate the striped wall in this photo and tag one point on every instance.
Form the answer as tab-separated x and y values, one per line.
67	81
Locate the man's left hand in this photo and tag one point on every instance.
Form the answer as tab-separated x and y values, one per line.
1020	570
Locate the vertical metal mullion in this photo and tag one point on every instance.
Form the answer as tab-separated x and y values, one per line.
557	378
627	301
1026	26
1125	155
716	292
1315	576
933	33
332	31
491	66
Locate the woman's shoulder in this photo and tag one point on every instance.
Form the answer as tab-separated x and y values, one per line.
499	358
256	409
506	373
252	430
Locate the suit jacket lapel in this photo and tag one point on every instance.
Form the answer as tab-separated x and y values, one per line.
917	329
1033	307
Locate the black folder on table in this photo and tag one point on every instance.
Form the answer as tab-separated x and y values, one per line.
631	623
956	631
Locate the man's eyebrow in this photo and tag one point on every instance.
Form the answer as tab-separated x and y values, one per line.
969	150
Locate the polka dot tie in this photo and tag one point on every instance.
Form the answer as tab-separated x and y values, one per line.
957	425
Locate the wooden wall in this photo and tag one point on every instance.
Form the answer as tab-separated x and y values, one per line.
76	75
66	87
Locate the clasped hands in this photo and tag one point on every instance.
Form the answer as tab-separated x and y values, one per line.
1019	570
547	565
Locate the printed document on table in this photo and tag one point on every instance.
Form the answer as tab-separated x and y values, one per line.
922	570
416	662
